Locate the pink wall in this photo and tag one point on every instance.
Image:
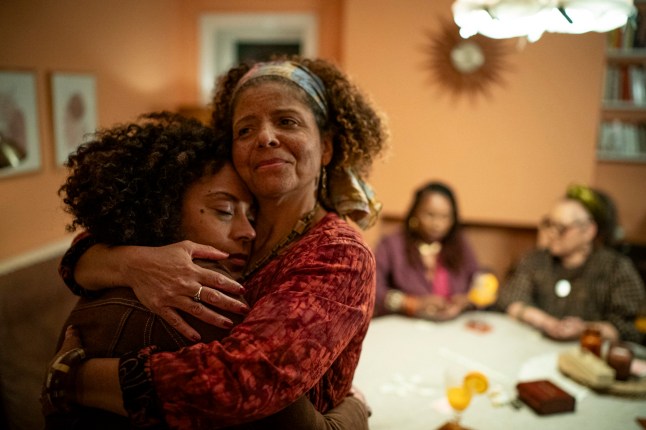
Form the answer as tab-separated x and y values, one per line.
133	49
508	156
144	56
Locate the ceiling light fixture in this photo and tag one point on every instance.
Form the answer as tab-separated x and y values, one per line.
502	19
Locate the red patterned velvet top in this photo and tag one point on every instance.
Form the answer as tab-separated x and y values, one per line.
311	307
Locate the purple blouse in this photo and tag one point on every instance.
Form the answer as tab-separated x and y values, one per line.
394	271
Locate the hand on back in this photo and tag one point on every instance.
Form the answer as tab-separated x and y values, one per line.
166	279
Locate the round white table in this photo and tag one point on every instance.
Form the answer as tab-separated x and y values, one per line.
401	373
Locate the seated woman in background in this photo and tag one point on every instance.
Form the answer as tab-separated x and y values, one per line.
425	270
156	182
577	279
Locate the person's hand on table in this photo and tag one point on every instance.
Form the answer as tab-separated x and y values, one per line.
167	279
568	328
608	331
449	312
425	307
551	327
460	302
445	310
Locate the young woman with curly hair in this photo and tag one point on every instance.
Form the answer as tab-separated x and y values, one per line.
154	182
303	139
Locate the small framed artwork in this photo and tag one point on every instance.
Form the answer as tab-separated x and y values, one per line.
226	40
74	111
19	133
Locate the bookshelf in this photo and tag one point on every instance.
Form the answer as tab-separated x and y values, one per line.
622	131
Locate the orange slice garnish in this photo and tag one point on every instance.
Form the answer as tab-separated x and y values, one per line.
476	382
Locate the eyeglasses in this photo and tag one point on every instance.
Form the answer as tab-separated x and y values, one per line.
561	229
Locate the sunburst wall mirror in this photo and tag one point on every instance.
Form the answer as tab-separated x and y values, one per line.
465	66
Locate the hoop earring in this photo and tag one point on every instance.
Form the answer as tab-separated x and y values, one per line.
323	184
413	223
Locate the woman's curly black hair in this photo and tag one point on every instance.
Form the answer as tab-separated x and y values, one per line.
127	184
359	133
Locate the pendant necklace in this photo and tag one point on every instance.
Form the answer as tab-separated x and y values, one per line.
562	288
429	252
301	227
428	249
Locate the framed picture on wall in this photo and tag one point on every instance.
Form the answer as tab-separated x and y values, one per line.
74	111
229	39
19	132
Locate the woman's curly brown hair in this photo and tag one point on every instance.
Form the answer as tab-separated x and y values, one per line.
127	184
359	133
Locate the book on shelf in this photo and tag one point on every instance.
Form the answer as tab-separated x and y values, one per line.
625	82
611	89
637	84
622	138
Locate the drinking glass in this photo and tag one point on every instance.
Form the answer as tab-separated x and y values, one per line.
484	290
458	395
461	385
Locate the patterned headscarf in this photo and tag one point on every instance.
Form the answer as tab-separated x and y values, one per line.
300	75
351	197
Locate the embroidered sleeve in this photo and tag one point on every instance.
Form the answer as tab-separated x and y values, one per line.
139	397
81	243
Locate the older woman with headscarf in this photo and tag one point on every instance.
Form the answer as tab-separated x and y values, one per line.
303	138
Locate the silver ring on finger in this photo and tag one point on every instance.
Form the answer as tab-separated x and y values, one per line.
197	297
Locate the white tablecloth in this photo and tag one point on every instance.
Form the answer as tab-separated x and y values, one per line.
401	372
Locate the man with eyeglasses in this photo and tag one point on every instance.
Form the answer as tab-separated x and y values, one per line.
575	279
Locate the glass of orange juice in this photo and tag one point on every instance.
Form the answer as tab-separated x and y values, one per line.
484	290
461	385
